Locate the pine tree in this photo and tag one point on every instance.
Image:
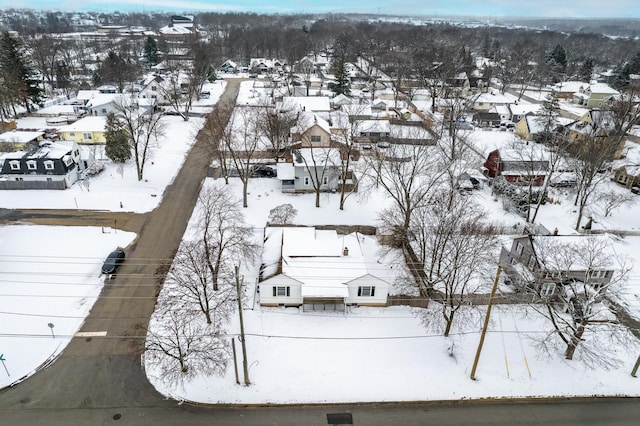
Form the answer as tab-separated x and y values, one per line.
341	85
586	70
150	52
117	146
547	118
16	74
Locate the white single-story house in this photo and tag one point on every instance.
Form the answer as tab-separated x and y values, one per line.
318	270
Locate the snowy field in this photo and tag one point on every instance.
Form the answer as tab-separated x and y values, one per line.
48	275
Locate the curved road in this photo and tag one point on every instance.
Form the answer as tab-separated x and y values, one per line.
99	380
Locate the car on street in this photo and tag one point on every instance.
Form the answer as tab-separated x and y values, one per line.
260	170
113	261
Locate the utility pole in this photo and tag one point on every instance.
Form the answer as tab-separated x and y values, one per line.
242	339
635	367
486	323
235	359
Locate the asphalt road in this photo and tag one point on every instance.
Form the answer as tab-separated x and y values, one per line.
99	380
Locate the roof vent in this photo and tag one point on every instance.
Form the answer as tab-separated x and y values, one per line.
345	251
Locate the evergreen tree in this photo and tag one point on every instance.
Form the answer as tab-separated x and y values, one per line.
557	61
341	85
586	70
150	52
117	146
547	118
17	76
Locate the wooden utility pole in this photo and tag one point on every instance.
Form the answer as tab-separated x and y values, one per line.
245	366
635	367
486	324
235	359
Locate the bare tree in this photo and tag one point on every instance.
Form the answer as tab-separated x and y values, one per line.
45	54
409	175
276	127
225	235
282	214
590	163
578	274
143	130
182	348
608	200
192	277
215	131
455	245
242	140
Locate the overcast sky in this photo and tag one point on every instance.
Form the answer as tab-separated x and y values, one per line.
491	8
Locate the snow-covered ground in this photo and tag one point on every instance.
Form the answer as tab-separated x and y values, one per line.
48	275
367	354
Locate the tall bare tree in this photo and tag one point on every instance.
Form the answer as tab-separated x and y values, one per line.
456	247
225	236
573	304
143	130
182	348
242	141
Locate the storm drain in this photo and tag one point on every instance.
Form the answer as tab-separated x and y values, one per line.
339	419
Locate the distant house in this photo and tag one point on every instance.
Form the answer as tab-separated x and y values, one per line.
599	124
48	165
517	167
594	95
487	119
318	270
105	103
486	101
18	139
628	176
536	263
529	126
567	89
518	111
229	66
87	130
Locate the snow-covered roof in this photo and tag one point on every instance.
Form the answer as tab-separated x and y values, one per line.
357	109
495	97
19	136
46	149
569	86
307	120
175	30
522	109
316	259
320	155
535	125
286	171
86	124
306	103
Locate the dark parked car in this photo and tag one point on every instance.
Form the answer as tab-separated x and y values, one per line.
263	171
113	261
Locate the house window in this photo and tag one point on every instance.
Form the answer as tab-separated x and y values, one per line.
31	165
49	180
306	181
532	262
519	248
325	180
547	289
597	274
72	134
281	291
367	291
15	165
48	165
87	136
316	138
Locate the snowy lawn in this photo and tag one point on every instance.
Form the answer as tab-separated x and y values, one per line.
49	275
386	354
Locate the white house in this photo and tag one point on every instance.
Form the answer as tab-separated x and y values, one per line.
319	270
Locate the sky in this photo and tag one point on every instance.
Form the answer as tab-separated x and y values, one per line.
490	8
